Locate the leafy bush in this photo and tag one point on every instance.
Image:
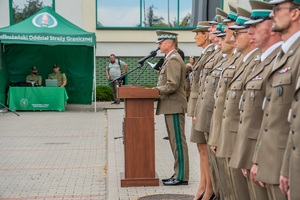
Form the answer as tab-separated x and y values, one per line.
104	93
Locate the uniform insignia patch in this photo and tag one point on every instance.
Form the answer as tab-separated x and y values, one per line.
279	90
213	81
233	95
232	67
225	80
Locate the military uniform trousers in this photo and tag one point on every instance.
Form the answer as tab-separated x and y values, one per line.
226	183
256	192
240	185
274	193
175	127
213	170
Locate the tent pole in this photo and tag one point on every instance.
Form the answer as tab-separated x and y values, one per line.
95	89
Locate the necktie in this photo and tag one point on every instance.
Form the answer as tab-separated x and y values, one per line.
278	57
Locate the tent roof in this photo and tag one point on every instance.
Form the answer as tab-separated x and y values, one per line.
46	27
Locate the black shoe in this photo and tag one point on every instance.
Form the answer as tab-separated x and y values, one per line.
201	196
173	182
167	179
116	102
213	196
166	138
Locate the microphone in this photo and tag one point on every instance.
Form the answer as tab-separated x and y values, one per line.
151	55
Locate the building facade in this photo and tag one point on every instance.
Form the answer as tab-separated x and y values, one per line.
133	42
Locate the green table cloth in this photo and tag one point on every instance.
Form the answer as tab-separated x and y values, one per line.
37	98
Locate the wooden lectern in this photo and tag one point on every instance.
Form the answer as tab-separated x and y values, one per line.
138	136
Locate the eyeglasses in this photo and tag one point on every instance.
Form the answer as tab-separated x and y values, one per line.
276	8
235	33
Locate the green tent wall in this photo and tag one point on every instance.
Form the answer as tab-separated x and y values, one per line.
26	44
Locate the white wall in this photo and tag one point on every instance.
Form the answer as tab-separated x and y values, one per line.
139	49
4	13
71	10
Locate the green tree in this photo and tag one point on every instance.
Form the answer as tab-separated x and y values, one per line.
31	7
17	13
186	20
153	20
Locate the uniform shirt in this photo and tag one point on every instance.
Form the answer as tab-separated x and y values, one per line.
291	161
228	71
171	81
115	69
250	110
206	53
35	78
207	66
205	104
59	76
231	113
275	128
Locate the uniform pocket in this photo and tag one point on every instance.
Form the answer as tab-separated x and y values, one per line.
228	73
233	127
283	79
236	85
254	85
253	133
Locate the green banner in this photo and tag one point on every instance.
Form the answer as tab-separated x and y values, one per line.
37	98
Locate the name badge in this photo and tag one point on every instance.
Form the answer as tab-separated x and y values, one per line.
290	116
241	101
256	78
264	103
252	95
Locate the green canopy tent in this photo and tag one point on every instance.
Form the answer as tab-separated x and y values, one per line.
44	39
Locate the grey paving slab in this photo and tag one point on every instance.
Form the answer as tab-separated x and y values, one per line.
53	155
74	155
164	161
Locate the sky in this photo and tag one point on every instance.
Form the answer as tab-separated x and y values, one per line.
127	13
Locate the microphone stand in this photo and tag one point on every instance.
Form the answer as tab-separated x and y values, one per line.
10	109
141	62
138	67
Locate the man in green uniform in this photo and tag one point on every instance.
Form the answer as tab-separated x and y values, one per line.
34	77
59	76
172	103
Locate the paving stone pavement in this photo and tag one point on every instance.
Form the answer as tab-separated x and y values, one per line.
73	155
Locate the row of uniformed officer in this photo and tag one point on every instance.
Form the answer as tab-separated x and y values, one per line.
249	142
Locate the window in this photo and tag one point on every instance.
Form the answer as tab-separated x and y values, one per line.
21	9
145	14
